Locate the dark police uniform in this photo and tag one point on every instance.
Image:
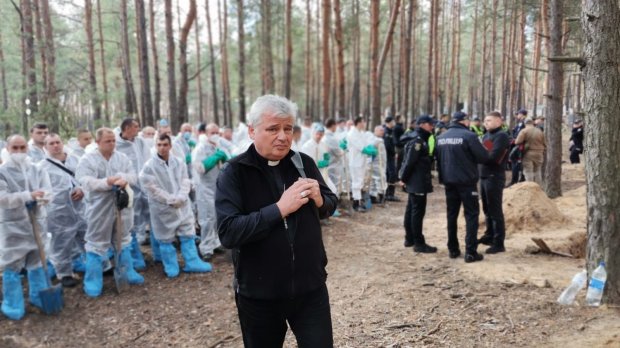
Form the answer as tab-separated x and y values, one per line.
577	148
416	174
492	181
390	141
458	152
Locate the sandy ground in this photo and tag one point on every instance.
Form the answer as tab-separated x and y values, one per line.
382	294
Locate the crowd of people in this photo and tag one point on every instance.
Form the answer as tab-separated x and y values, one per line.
208	188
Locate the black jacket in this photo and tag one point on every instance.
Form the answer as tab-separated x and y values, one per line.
577	138
497	142
458	152
415	171
274	258
389	141
399	130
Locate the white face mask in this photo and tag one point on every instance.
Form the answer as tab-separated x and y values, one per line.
19	157
214	138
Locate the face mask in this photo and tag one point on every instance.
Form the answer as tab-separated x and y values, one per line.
214	138
187	136
19	157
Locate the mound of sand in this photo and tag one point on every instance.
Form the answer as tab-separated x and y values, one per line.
528	209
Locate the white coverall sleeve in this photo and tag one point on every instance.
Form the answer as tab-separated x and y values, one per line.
12	200
87	177
198	155
149	182
186	184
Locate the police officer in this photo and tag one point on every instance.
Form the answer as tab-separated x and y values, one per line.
416	174
390	141
492	180
576	140
458	152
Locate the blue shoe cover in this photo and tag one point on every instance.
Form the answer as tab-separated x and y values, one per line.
193	263
169	259
126	259
136	254
51	271
155	248
110	253
93	277
12	295
336	213
79	263
36	283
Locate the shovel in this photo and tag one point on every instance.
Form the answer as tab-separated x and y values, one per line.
51	297
120	271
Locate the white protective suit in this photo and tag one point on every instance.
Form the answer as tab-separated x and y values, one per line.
164	183
317	151
92	173
378	182
336	165
204	182
358	162
35	153
138	153
66	220
18	248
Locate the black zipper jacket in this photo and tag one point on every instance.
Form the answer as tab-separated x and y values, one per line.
274	258
415	171
458	153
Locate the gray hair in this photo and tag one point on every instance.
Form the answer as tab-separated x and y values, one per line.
275	105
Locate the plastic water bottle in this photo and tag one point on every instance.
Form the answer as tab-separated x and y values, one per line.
596	286
579	282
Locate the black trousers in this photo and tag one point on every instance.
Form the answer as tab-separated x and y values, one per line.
414	215
391	174
491	191
574	156
468	196
263	322
517	173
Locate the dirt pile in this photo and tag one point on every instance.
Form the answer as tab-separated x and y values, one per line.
528	209
575	245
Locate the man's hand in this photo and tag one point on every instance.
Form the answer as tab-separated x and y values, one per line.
294	197
120	182
37	194
77	194
314	193
112	179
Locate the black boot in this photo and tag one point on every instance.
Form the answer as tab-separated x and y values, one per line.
358	206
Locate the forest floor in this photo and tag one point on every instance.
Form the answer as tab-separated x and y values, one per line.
382	294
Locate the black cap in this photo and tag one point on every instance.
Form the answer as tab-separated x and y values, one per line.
425	119
389	119
522	112
459	116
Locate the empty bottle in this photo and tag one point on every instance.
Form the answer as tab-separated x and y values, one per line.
596	286
579	282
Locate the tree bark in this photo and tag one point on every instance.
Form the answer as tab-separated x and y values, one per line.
50	56
472	63
493	67
415	91
104	78
28	57
481	109
198	71
176	122
156	78
130	95
5	95
374	62
216	115
170	64
288	65
339	38
553	126
406	60
38	31
503	99
92	72
356	89
146	105
224	65
241	41
326	62
308	59
536	61
268	80
599	20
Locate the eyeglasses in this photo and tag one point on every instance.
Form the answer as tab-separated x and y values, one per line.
23	147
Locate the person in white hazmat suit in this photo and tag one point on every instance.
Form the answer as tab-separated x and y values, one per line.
336	153
165	180
208	159
38	132
360	148
23	189
65	221
99	173
320	153
128	143
378	182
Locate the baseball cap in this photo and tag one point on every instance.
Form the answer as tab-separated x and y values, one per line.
425	119
459	116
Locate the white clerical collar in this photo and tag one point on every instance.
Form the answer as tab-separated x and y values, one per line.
273	163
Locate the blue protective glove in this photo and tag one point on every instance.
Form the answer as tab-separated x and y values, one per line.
369	150
343	144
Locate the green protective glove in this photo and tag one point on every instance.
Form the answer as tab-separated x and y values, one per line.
223	157
191	143
188	158
369	150
326	157
343	144
323	164
210	161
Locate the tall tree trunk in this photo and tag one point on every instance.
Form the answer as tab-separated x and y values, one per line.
406	60
472	63
50	56
92	72
241	41
503	97
146	105
482	107
326	62
415	91
316	103
170	65
198	71
5	95
339	38
493	65
130	94
176	122
457	97
28	58
266	49
288	65
104	78
599	20
431	43
536	61
157	91
308	59
436	60
521	62
387	43
223	23
38	32
553	127
216	115
375	97
453	58
357	84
